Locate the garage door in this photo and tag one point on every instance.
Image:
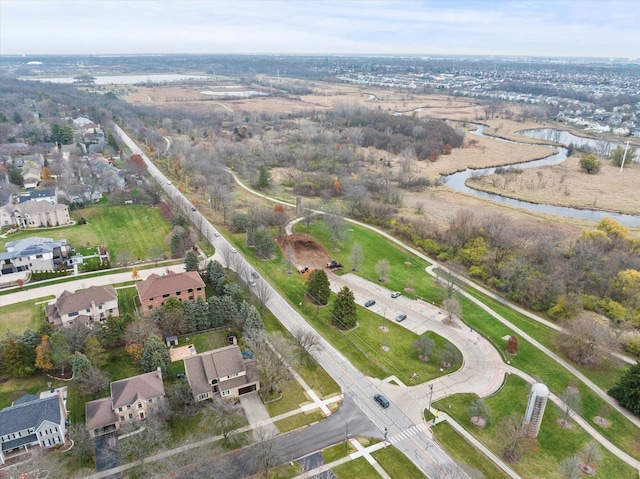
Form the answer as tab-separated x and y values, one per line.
246	389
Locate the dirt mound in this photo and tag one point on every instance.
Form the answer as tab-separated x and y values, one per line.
306	251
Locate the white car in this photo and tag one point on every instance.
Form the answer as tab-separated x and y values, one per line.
216	234
233	250
395	294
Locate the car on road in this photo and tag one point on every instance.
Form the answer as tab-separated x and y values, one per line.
168	183
401	317
370	303
380	399
193	208
233	250
395	294
216	234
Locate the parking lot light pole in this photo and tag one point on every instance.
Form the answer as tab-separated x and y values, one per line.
430	396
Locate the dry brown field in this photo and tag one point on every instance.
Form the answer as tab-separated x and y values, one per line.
564	184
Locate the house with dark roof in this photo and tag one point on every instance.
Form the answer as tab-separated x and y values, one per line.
131	399
48	195
34	254
91	305
220	373
156	289
31	421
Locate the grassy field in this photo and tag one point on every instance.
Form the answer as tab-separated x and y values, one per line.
397	465
463	452
18	317
132	228
554	443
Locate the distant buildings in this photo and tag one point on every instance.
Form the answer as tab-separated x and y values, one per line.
155	290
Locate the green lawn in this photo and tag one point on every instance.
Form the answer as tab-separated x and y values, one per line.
463	452
299	420
127	300
362	345
356	468
554	442
18	317
132	228
531	360
397	465
293	396
333	453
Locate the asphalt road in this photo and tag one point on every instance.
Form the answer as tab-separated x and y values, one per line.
427	455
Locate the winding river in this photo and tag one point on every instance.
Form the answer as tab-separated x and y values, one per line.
457	181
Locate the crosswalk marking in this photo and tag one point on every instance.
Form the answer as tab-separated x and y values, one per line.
407	433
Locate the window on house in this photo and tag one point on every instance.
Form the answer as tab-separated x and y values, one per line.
190	298
165	295
122	418
224	393
130	416
100	307
74	314
178	293
88	310
128	406
150	306
234	375
190	290
139	405
199	289
119	409
150	400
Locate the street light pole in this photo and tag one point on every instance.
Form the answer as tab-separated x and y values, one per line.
430	396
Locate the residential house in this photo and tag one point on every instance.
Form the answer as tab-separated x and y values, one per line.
31	177
90	305
34	254
156	289
48	195
131	399
109	177
34	214
81	193
221	372
31	421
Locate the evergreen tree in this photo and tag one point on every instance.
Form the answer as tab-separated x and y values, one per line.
264	177
627	390
253	328
17	358
155	355
80	363
191	261
216	276
344	313
30	338
236	294
197	315
318	288
265	245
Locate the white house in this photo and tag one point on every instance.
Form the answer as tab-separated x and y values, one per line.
31	421
91	305
34	254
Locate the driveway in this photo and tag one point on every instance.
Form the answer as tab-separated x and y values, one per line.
256	411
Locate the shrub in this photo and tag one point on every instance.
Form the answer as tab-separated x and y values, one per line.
632	346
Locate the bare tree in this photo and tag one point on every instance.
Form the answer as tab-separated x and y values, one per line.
307	340
356	257
266	452
289	257
590	456
383	269
224	417
570	468
150	435
336	225
586	341
227	254
272	371
513	434
124	257
308	213
424	346
263	292
571	404
452	307
479	409
93	380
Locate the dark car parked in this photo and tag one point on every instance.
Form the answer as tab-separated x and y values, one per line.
369	303
383	401
401	317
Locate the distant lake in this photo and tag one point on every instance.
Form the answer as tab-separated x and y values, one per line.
127	79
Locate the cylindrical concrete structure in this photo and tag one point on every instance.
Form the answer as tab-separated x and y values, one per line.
535	409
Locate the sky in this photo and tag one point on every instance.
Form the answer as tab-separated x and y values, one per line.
544	28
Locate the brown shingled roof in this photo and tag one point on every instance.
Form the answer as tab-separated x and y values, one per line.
204	367
145	386
168	283
71	302
99	413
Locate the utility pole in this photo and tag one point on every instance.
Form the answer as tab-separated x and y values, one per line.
430	396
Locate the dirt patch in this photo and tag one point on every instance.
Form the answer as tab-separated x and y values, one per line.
602	421
478	421
307	252
564	424
383	329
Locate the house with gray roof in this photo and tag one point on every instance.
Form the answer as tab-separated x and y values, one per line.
131	399
48	195
220	373
31	421
34	214
34	254
91	305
